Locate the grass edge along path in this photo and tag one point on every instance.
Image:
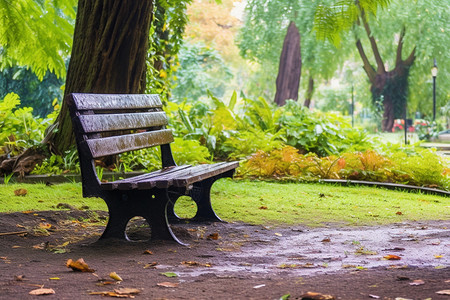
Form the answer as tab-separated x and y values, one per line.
255	202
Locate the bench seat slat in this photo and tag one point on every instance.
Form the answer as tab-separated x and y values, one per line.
132	182
179	176
119	101
114	122
118	144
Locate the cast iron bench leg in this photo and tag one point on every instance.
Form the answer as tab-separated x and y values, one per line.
157	217
119	215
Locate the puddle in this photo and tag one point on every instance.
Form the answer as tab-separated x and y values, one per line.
327	250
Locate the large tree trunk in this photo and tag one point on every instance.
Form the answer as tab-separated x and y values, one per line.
289	71
108	55
391	90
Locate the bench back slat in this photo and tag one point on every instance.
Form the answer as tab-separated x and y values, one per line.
118	144
116	122
111	102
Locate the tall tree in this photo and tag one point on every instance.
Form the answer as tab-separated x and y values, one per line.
109	54
402	39
261	40
290	67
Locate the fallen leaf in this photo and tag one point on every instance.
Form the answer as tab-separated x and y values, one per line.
400	298
148	252
79	266
285	297
392	257
20	192
42	291
326	240
438	256
127	291
262	207
443	292
170	274
114	276
151	265
55	278
278	234
399	213
374	296
168	284
316	296
195	263
259	286
27	211
213	236
395	249
106	283
417	282
45	225
15	247
112	294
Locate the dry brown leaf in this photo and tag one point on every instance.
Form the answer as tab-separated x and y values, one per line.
112	294
148	252
326	240
168	284
392	257
127	291
262	207
316	296
79	266
151	265
417	282
195	264
19	277
443	292
114	276
399	213
213	236
42	291
20	192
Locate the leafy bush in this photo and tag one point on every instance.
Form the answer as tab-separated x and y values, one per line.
19	129
420	167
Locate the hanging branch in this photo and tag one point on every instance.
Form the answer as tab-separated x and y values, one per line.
373	44
370	71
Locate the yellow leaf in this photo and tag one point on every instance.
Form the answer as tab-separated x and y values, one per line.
79	266
114	276
54	278
392	257
438	256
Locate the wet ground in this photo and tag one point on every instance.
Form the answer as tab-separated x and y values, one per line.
225	260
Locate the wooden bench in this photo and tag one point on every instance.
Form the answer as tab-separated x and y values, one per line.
105	125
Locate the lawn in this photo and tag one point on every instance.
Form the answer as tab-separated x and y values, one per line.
263	203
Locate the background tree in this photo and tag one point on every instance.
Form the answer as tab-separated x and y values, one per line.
261	39
403	39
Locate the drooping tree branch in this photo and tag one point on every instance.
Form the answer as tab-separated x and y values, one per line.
373	44
370	71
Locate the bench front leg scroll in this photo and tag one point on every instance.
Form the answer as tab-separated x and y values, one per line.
201	194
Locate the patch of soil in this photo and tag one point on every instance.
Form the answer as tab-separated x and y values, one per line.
223	260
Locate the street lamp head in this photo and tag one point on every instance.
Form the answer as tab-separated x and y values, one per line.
434	69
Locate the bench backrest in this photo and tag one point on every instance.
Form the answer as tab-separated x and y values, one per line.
106	124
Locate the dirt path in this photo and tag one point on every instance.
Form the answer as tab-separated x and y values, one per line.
244	262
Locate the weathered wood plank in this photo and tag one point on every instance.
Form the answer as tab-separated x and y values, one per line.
201	172
114	122
130	142
111	102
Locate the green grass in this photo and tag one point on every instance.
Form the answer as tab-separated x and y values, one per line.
264	203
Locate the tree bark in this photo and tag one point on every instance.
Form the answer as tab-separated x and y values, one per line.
389	88
108	56
309	92
288	79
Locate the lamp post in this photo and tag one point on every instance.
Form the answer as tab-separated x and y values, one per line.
434	71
